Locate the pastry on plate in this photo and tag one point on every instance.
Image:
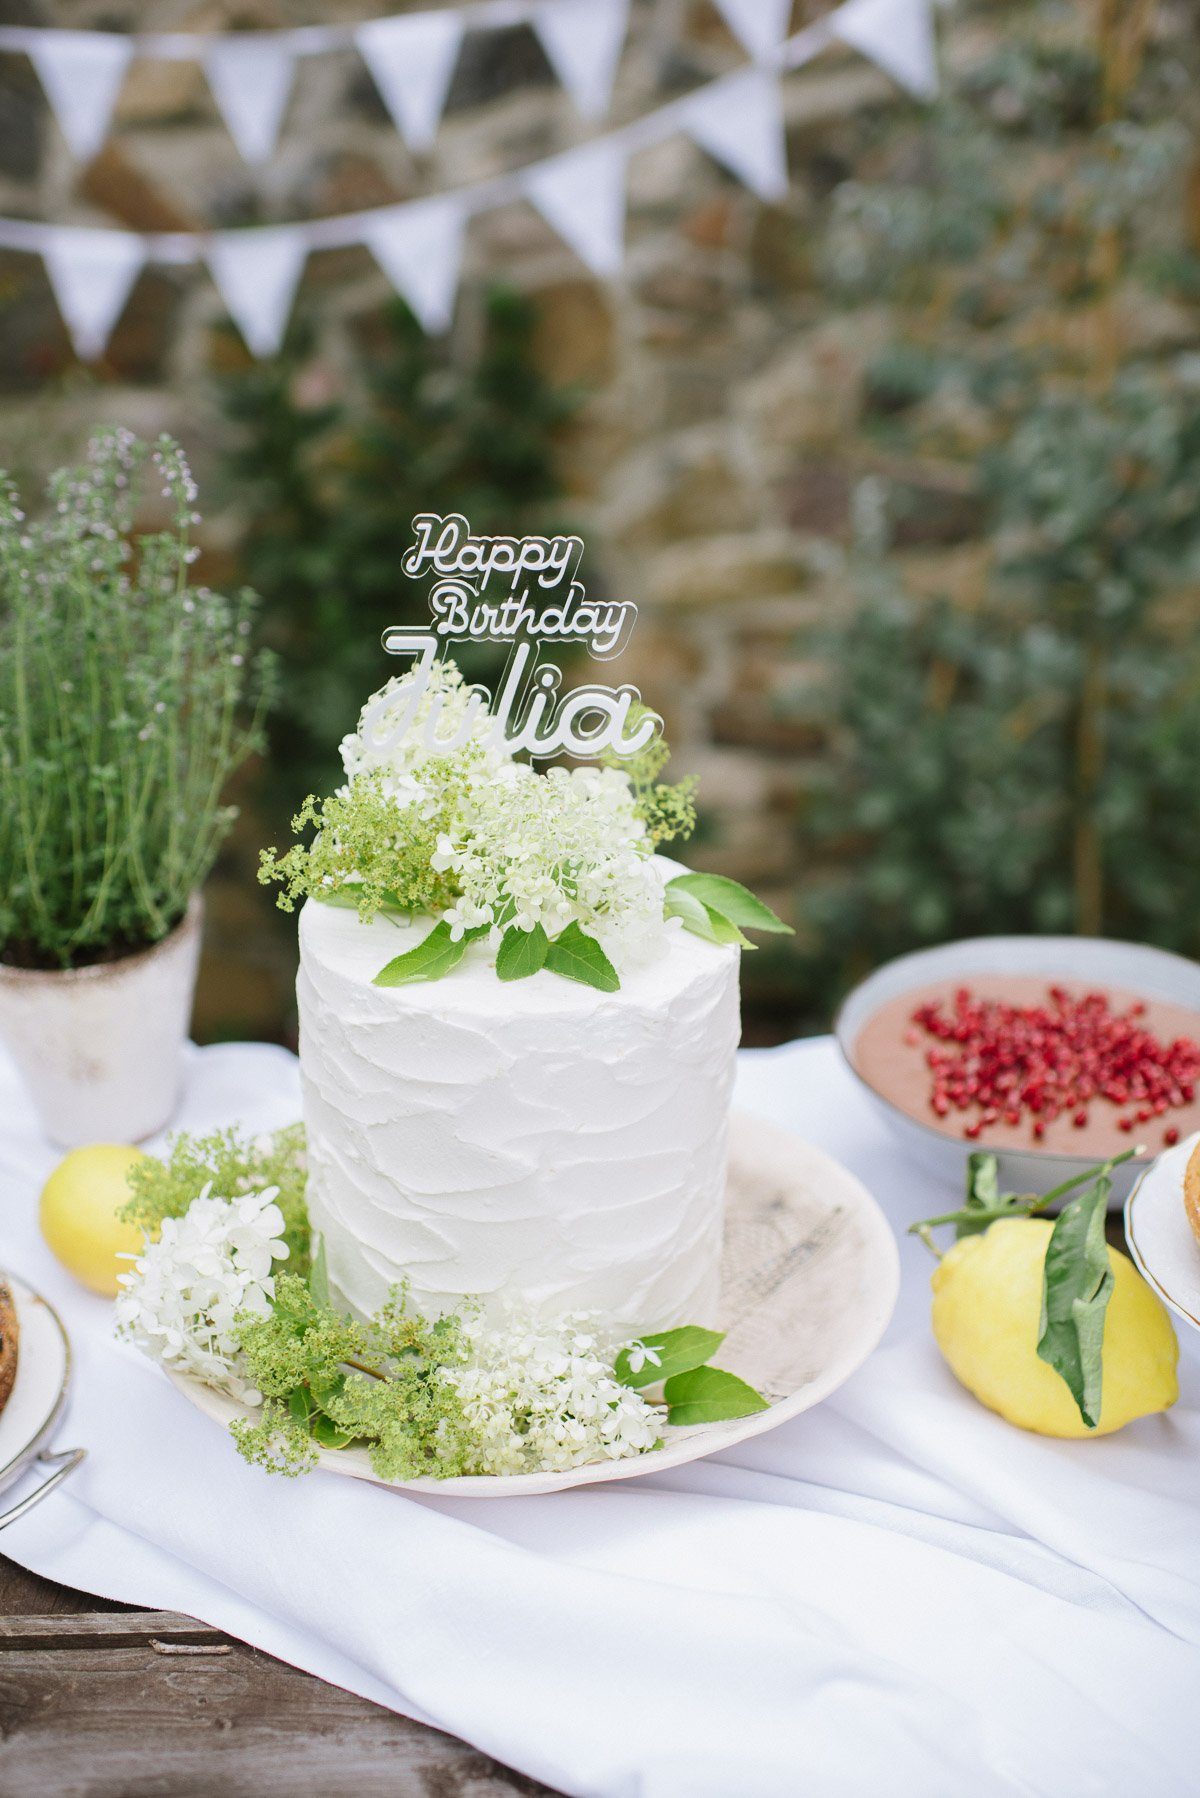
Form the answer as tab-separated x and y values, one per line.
8	1342
1191	1190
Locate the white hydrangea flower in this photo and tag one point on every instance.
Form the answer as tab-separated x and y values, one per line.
562	847
180	1299
543	1397
407	765
641	1354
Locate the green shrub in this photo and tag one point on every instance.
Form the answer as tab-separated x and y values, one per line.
1030	761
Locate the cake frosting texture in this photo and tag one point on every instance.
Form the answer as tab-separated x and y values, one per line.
535	1141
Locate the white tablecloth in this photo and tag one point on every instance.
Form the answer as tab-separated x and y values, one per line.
896	1592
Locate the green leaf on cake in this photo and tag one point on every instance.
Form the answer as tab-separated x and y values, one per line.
709	1395
729	907
725	932
667	1352
433	956
578	956
700	919
522	952
1076	1286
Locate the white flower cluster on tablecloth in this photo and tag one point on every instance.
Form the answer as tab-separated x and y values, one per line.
543	1397
179	1301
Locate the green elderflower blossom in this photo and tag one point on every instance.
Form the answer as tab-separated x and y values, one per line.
301	1342
413	1421
328	1379
368	851
668	811
277	1442
233	1164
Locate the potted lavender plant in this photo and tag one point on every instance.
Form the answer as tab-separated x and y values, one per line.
127	700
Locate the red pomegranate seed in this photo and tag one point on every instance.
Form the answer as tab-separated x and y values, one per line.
1171	1137
991	1059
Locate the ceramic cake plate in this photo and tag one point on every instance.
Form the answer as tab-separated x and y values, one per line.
809	1281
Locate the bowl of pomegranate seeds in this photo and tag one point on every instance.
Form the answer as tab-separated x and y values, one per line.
1053	1052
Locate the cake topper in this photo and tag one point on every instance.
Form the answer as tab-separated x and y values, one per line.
523	592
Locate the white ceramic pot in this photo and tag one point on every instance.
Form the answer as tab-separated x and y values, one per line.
101	1047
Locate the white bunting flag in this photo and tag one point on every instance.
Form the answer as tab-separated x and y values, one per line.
81	73
759	25
419	249
583	40
250	74
412	60
739	120
896	35
91	273
582	196
257	273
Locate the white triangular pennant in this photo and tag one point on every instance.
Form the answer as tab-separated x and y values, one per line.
81	72
250	74
896	35
412	60
582	196
257	273
419	249
739	121
91	273
759	25
583	40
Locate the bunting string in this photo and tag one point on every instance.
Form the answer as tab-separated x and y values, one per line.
296	40
735	118
411	58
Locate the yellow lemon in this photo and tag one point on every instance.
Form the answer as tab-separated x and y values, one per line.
987	1300
78	1214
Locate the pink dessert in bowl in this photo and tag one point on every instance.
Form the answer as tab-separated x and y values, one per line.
1054	1052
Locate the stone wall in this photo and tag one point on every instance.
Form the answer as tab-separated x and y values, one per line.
712	462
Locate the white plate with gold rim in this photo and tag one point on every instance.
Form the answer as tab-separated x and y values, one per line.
809	1277
1159	1236
37	1398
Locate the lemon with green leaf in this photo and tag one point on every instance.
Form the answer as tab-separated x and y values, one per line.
994	1318
79	1214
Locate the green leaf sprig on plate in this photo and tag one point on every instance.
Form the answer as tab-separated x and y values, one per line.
1077	1280
693	1391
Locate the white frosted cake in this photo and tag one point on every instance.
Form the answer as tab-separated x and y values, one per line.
535	1141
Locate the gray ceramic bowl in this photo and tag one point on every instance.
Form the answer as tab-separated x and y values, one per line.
1093	961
